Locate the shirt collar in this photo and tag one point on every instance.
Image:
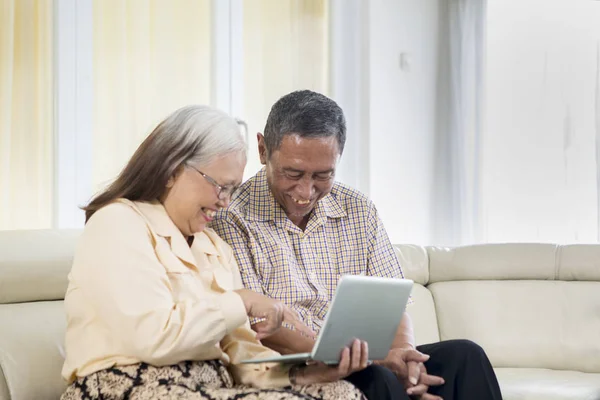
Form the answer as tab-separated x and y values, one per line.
262	206
161	223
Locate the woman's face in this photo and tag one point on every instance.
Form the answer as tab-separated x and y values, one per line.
191	199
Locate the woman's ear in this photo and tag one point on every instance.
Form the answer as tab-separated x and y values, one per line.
174	176
170	182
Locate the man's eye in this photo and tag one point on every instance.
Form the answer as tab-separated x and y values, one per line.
324	177
294	176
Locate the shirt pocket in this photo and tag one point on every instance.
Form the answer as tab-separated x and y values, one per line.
350	260
180	277
223	278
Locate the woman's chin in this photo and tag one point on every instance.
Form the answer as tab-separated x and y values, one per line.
197	226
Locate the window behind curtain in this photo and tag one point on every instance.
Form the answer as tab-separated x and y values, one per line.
285	49
26	123
150	58
540	147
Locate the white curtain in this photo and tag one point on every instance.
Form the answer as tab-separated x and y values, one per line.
459	122
26	141
540	148
285	49
150	58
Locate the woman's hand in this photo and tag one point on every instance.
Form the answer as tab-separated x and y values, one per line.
274	313
352	360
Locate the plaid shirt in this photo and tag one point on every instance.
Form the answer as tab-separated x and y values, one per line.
344	235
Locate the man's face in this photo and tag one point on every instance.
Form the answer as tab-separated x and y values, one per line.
300	173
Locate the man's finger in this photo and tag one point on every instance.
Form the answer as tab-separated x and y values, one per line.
344	365
415	355
418	390
355	355
429	396
431	380
364	355
414	372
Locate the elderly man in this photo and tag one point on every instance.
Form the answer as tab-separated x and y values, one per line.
295	231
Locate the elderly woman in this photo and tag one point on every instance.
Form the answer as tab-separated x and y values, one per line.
155	304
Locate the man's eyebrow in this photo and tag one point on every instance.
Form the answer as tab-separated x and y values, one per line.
290	169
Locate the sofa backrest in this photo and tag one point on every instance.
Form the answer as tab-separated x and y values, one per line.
527	305
33	279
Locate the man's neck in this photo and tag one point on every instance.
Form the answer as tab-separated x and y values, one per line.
300	222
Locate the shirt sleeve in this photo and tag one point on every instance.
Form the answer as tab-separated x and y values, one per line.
382	258
234	232
242	344
128	288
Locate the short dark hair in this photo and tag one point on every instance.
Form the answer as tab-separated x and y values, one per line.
307	114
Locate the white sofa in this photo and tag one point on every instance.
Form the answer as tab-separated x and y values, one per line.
535	308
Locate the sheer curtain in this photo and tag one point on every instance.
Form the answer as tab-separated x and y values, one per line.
150	58
26	141
540	148
459	122
285	49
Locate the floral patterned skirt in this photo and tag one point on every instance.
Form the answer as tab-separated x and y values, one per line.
191	380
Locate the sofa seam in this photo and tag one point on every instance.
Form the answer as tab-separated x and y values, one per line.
557	253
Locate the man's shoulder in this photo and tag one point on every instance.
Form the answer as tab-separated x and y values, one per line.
238	209
350	199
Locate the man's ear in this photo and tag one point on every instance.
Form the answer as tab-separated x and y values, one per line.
262	149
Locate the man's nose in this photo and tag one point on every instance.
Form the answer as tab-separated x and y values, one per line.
305	188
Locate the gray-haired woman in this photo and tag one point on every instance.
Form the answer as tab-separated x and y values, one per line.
155	304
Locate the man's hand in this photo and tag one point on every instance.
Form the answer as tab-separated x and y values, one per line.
407	364
419	390
352	359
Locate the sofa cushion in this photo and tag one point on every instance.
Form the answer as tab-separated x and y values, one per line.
414	261
579	262
422	313
530	324
546	384
31	349
493	261
34	264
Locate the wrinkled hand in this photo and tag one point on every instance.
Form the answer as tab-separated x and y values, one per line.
273	312
408	365
425	380
352	359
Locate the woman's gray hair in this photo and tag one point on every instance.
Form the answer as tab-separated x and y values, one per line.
191	135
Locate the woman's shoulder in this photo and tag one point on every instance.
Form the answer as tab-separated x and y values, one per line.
118	215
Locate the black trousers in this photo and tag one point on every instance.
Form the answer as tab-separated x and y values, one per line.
466	370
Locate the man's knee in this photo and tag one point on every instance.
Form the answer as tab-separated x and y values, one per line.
466	347
465	352
380	374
